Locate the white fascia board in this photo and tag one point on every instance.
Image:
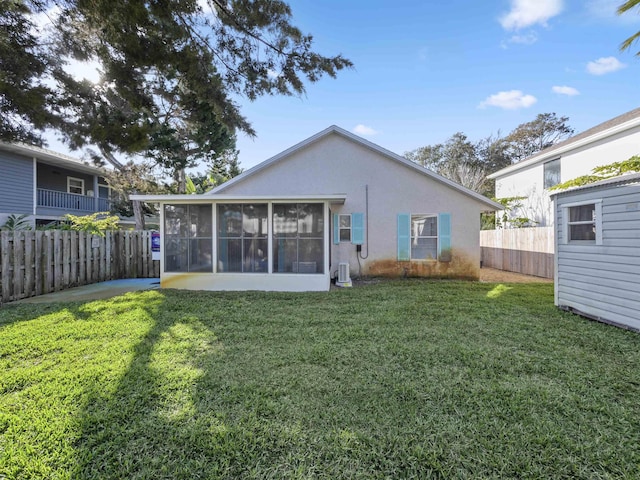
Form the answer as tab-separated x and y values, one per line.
206	198
542	156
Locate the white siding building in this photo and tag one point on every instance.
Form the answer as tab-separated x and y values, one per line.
597	271
615	140
335	199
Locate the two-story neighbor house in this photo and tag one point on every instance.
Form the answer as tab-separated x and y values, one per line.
46	185
333	203
615	140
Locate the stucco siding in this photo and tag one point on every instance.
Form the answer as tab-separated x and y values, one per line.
335	165
16	184
602	281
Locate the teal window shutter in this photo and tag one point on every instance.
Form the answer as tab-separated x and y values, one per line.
357	228
404	236
444	237
336	228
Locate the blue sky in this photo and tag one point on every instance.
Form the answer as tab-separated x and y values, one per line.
427	69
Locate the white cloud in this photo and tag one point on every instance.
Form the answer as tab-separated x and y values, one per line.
511	100
525	13
564	90
604	65
364	130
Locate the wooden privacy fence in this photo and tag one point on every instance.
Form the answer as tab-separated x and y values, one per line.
522	250
38	262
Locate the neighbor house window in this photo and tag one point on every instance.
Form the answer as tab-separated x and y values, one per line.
345	227
188	243
75	185
583	223
242	238
298	238
552	173
424	237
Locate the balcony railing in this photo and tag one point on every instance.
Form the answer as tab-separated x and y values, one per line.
71	201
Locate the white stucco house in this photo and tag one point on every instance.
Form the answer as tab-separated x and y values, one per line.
615	140
333	204
597	263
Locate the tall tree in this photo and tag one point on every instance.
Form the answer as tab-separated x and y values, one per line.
626	7
457	159
531	137
168	72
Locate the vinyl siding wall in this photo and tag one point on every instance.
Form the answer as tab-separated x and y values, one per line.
16	184
602	281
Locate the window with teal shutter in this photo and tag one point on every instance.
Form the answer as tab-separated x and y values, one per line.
444	237
357	228
404	236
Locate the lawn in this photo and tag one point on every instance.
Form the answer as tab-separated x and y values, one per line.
401	379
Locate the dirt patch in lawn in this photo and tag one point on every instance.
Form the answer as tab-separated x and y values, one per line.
491	275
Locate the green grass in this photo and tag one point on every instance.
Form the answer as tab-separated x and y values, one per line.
402	379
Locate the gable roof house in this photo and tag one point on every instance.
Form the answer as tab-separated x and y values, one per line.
46	185
597	264
332	206
615	140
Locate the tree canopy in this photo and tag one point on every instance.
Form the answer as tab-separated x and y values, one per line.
468	163
168	71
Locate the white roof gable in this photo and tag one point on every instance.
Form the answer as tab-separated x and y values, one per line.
361	141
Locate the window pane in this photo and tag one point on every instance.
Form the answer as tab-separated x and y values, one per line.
200	216
582	232
254	219
345	235
175	254
424	248
424	226
552	173
285	253
229	220
200	255
345	221
582	213
229	255
285	218
310	219
255	255
175	220
310	256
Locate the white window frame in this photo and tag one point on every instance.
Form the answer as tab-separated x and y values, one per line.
436	236
341	228
69	186
596	222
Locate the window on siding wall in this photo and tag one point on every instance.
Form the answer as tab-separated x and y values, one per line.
188	238
345	227
75	185
242	238
552	173
298	238
424	237
583	223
